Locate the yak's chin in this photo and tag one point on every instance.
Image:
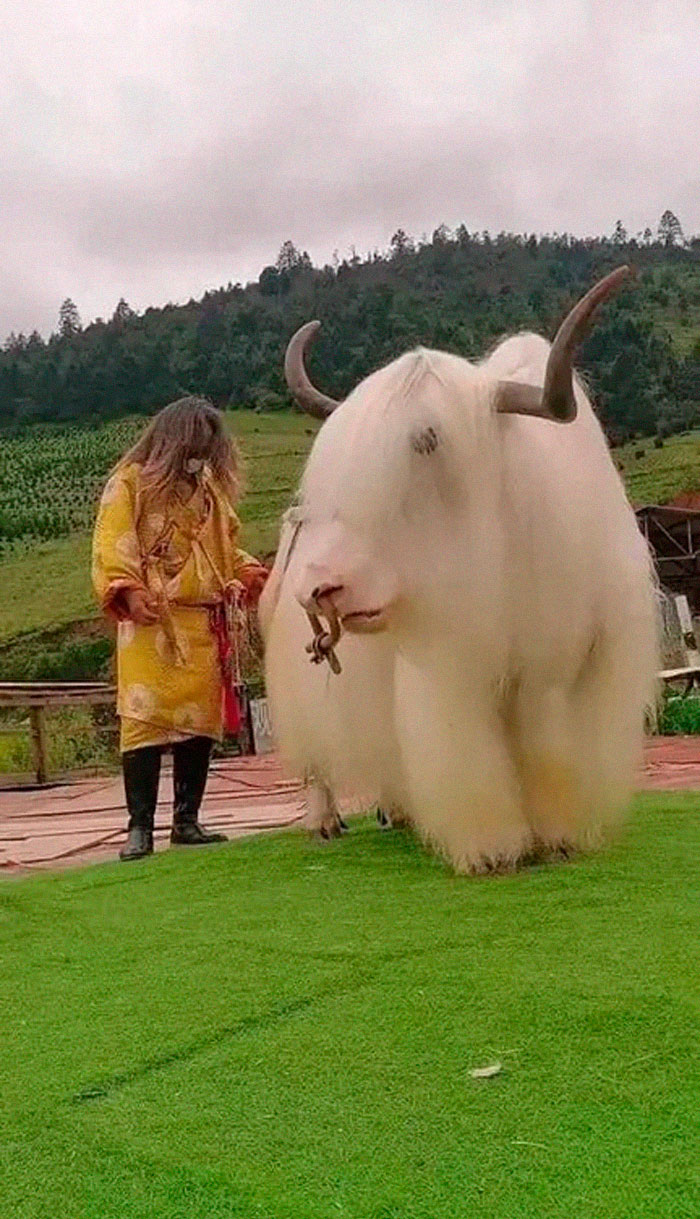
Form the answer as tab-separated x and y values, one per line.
368	622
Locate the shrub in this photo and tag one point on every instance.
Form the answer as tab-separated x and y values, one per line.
680	715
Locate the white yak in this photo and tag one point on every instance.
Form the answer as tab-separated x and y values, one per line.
466	528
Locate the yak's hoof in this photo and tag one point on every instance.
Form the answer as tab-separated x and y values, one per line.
330	827
562	853
328	832
548	853
494	867
382	820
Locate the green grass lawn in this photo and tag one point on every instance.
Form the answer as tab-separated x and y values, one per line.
46	587
280	1030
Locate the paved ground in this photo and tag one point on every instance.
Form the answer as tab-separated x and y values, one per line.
83	821
672	764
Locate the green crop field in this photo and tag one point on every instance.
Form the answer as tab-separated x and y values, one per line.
51	476
661	474
50	480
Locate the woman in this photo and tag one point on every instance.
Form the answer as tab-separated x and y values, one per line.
167	567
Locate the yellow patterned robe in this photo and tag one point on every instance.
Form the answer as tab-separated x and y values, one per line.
184	553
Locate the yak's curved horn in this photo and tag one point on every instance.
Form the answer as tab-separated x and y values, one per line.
308	397
556	400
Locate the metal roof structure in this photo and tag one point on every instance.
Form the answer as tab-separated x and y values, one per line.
673	535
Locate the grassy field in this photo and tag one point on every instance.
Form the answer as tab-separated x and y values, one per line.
277	1030
661	474
45	583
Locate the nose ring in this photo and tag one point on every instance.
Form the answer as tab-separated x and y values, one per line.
322	646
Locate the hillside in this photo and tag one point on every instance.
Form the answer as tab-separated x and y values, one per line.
460	291
661	474
51	476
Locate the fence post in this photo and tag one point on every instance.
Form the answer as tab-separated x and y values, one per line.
684	617
38	726
245	736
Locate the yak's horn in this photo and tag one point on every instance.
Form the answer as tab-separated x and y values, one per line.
556	400
308	397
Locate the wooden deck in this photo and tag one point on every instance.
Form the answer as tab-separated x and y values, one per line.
85	821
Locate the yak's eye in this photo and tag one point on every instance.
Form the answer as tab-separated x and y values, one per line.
425	441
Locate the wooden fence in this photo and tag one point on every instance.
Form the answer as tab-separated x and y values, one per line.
39	697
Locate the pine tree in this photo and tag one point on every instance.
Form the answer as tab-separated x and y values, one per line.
670	231
68	319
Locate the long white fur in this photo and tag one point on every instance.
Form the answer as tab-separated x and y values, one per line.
503	707
323	722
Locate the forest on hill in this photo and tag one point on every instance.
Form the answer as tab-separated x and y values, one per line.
459	290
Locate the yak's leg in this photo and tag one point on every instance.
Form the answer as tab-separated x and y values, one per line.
548	766
391	817
322	817
461	790
609	706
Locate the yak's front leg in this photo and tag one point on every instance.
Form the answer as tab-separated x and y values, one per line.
549	777
322	820
462	791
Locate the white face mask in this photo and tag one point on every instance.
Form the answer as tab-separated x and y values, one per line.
194	465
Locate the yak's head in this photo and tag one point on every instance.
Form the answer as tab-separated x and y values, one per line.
386	487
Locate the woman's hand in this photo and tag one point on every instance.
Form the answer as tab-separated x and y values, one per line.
250	580
140	607
253	580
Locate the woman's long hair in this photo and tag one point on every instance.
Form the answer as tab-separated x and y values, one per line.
191	429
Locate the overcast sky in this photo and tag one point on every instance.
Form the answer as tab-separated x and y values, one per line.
155	148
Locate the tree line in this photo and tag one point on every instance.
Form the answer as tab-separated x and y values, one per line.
456	290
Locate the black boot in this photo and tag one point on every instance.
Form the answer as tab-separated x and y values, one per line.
141	769
190	770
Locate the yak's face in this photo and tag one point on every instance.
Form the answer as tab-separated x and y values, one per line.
381	491
336	562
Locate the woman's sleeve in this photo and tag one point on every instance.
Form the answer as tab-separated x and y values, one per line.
247	570
116	556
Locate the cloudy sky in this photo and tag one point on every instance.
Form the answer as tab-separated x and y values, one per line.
154	148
